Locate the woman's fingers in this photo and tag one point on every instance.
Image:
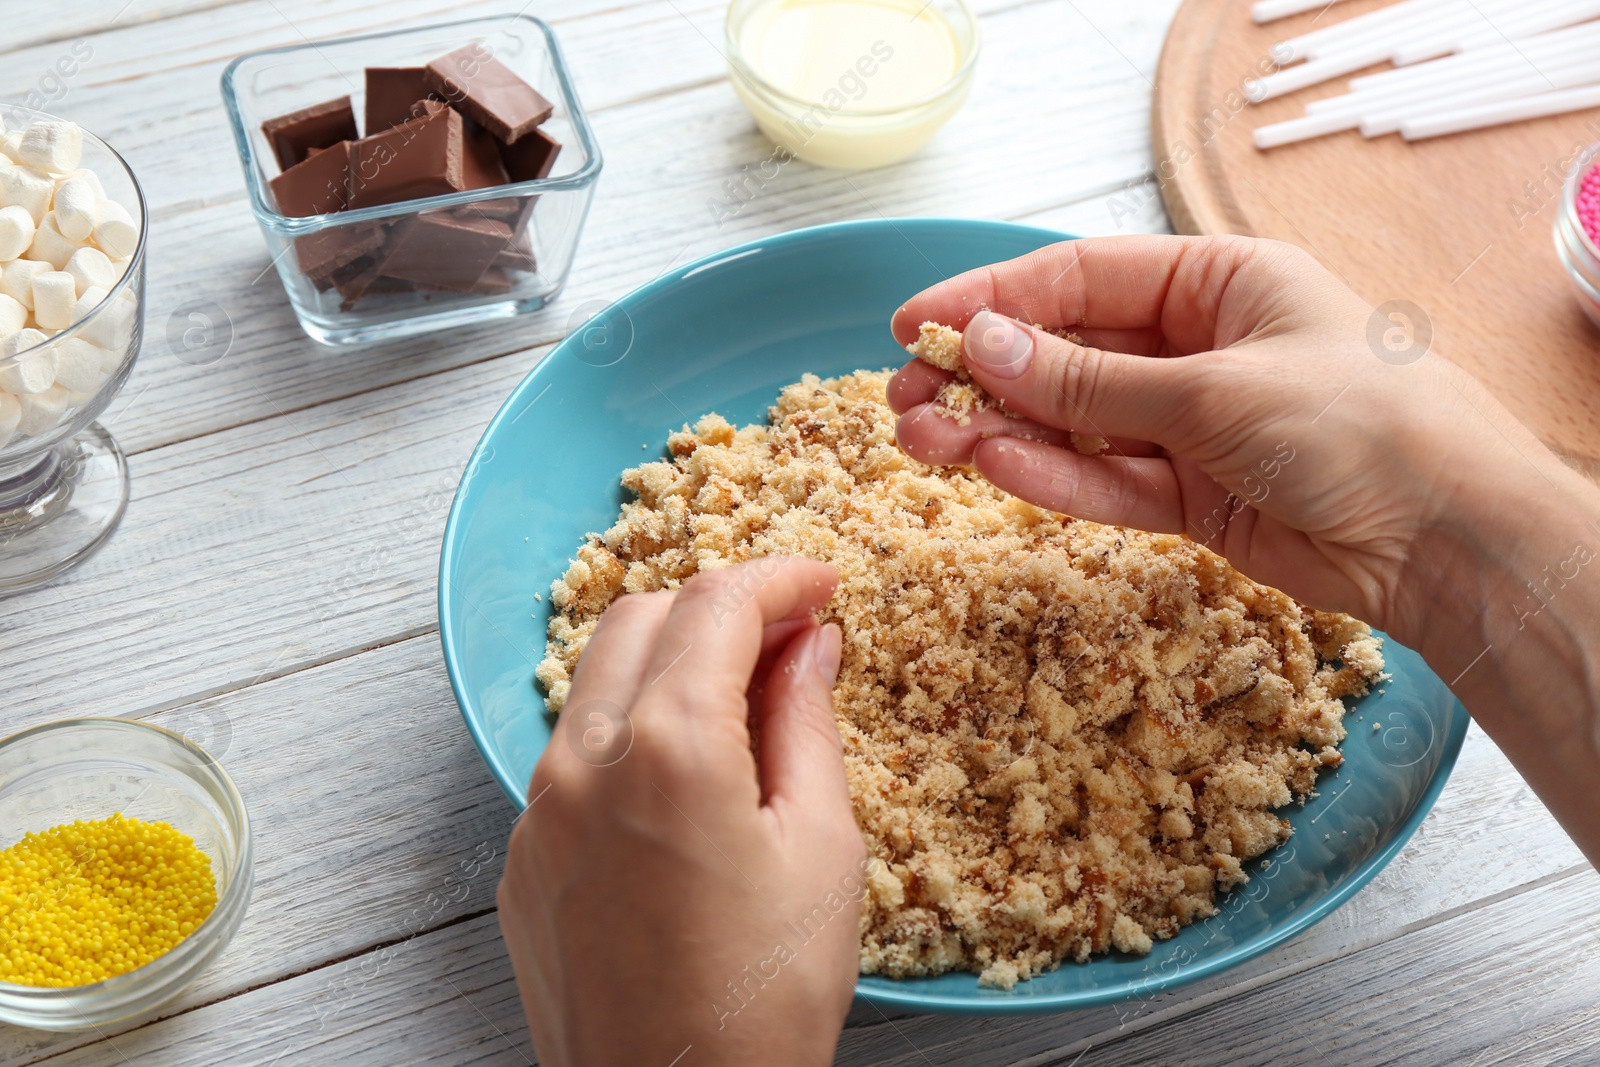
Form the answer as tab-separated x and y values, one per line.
711	639
613	664
1168	287
939	440
800	756
1058	383
916	383
1141	493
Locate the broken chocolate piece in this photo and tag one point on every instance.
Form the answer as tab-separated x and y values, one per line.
420	157
294	136
481	165
316	185
493	283
383	284
392	96
323	252
531	158
505	208
353	280
471	79
513	257
438	248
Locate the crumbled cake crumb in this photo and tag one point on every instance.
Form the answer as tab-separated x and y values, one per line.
940	346
959	398
1062	739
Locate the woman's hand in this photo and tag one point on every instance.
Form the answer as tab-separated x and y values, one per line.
1257	405
1268	426
668	888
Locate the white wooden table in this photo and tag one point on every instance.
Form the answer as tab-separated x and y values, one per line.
271	590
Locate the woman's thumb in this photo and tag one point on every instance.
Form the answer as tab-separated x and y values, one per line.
801	754
1060	383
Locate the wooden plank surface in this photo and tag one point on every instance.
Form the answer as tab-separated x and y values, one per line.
374	819
1458	226
653	208
450	993
271	590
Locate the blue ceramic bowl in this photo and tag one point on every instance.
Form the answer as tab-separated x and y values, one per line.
723	334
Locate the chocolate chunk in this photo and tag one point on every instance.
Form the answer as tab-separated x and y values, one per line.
420	157
531	158
471	79
383	284
392	96
353	280
505	208
317	185
518	255
442	250
514	211
323	252
494	282
481	165
294	136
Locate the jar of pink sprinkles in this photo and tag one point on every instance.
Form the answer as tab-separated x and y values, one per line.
1578	231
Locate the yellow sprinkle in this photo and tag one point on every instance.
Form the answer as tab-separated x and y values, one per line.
88	900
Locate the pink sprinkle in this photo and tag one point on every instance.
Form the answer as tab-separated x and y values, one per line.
1589	204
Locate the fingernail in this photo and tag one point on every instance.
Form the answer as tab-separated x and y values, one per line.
998	345
825	647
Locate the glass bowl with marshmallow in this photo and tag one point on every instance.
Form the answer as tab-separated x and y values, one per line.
72	241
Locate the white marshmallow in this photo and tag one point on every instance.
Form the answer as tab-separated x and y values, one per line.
86	175
112	325
50	245
54	293
31	372
91	269
88	300
10	415
27	188
16	280
74	208
9	146
126	306
80	366
54	146
41	412
114	230
13	316
16	231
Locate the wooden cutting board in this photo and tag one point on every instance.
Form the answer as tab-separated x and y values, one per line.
1459	226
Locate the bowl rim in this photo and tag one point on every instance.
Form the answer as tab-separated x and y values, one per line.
902	993
740	66
911	993
514	790
240	875
270	217
135	261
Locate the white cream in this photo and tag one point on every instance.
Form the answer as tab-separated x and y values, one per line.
859	83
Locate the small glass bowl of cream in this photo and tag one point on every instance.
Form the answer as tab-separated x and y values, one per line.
851	83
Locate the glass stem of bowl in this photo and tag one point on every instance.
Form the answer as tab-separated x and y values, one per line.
36	488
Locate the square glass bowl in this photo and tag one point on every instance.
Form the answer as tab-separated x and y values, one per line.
546	215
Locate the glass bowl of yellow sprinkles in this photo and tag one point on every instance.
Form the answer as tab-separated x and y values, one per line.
125	868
